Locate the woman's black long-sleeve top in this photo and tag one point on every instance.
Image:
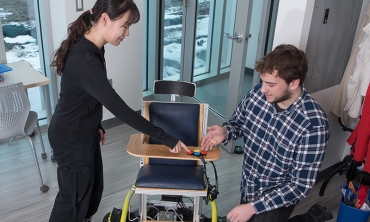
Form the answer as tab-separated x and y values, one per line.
84	89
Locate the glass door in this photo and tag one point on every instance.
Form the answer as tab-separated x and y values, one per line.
213	80
230	59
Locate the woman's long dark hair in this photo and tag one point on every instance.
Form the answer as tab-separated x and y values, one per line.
115	10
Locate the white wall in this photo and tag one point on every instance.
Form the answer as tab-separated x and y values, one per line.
124	62
289	22
337	147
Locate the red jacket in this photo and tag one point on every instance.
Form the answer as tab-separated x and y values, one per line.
360	137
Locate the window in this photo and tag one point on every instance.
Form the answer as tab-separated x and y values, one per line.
21	41
195	41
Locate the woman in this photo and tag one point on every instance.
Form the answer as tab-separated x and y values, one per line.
75	131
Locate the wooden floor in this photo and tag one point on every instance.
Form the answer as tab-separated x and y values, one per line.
21	200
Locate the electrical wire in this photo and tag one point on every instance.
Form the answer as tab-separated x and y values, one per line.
212	191
170	208
183	206
130	215
189	199
152	206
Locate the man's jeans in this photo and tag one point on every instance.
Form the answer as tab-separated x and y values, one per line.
279	215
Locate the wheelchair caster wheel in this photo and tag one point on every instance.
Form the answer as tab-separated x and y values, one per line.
115	216
43	156
106	218
238	150
52	158
44	189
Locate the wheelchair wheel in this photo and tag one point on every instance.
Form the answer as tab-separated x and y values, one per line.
106	218
114	216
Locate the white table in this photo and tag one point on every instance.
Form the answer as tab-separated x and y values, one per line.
30	77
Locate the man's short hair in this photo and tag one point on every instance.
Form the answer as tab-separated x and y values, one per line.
289	62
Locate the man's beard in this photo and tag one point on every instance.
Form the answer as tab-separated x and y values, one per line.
286	95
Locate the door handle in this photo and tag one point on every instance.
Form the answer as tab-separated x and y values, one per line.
237	37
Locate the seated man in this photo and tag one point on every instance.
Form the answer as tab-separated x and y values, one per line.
285	134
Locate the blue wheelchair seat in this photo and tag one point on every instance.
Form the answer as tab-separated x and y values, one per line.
171	177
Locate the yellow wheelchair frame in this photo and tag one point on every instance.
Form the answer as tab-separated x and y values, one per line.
139	148
121	216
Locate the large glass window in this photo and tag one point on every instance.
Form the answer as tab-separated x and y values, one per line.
196	41
20	40
172	39
203	43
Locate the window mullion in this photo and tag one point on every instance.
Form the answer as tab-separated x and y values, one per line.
188	41
2	46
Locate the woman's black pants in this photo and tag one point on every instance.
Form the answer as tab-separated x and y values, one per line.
80	179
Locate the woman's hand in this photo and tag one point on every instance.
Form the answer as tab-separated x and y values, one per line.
102	137
178	146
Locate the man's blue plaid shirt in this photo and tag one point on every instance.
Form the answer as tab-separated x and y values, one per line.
283	150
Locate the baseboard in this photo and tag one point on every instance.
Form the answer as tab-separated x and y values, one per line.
113	122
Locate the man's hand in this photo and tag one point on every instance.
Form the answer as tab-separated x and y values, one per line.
216	134
241	213
102	137
178	146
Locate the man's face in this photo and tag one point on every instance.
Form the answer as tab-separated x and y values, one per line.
275	89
